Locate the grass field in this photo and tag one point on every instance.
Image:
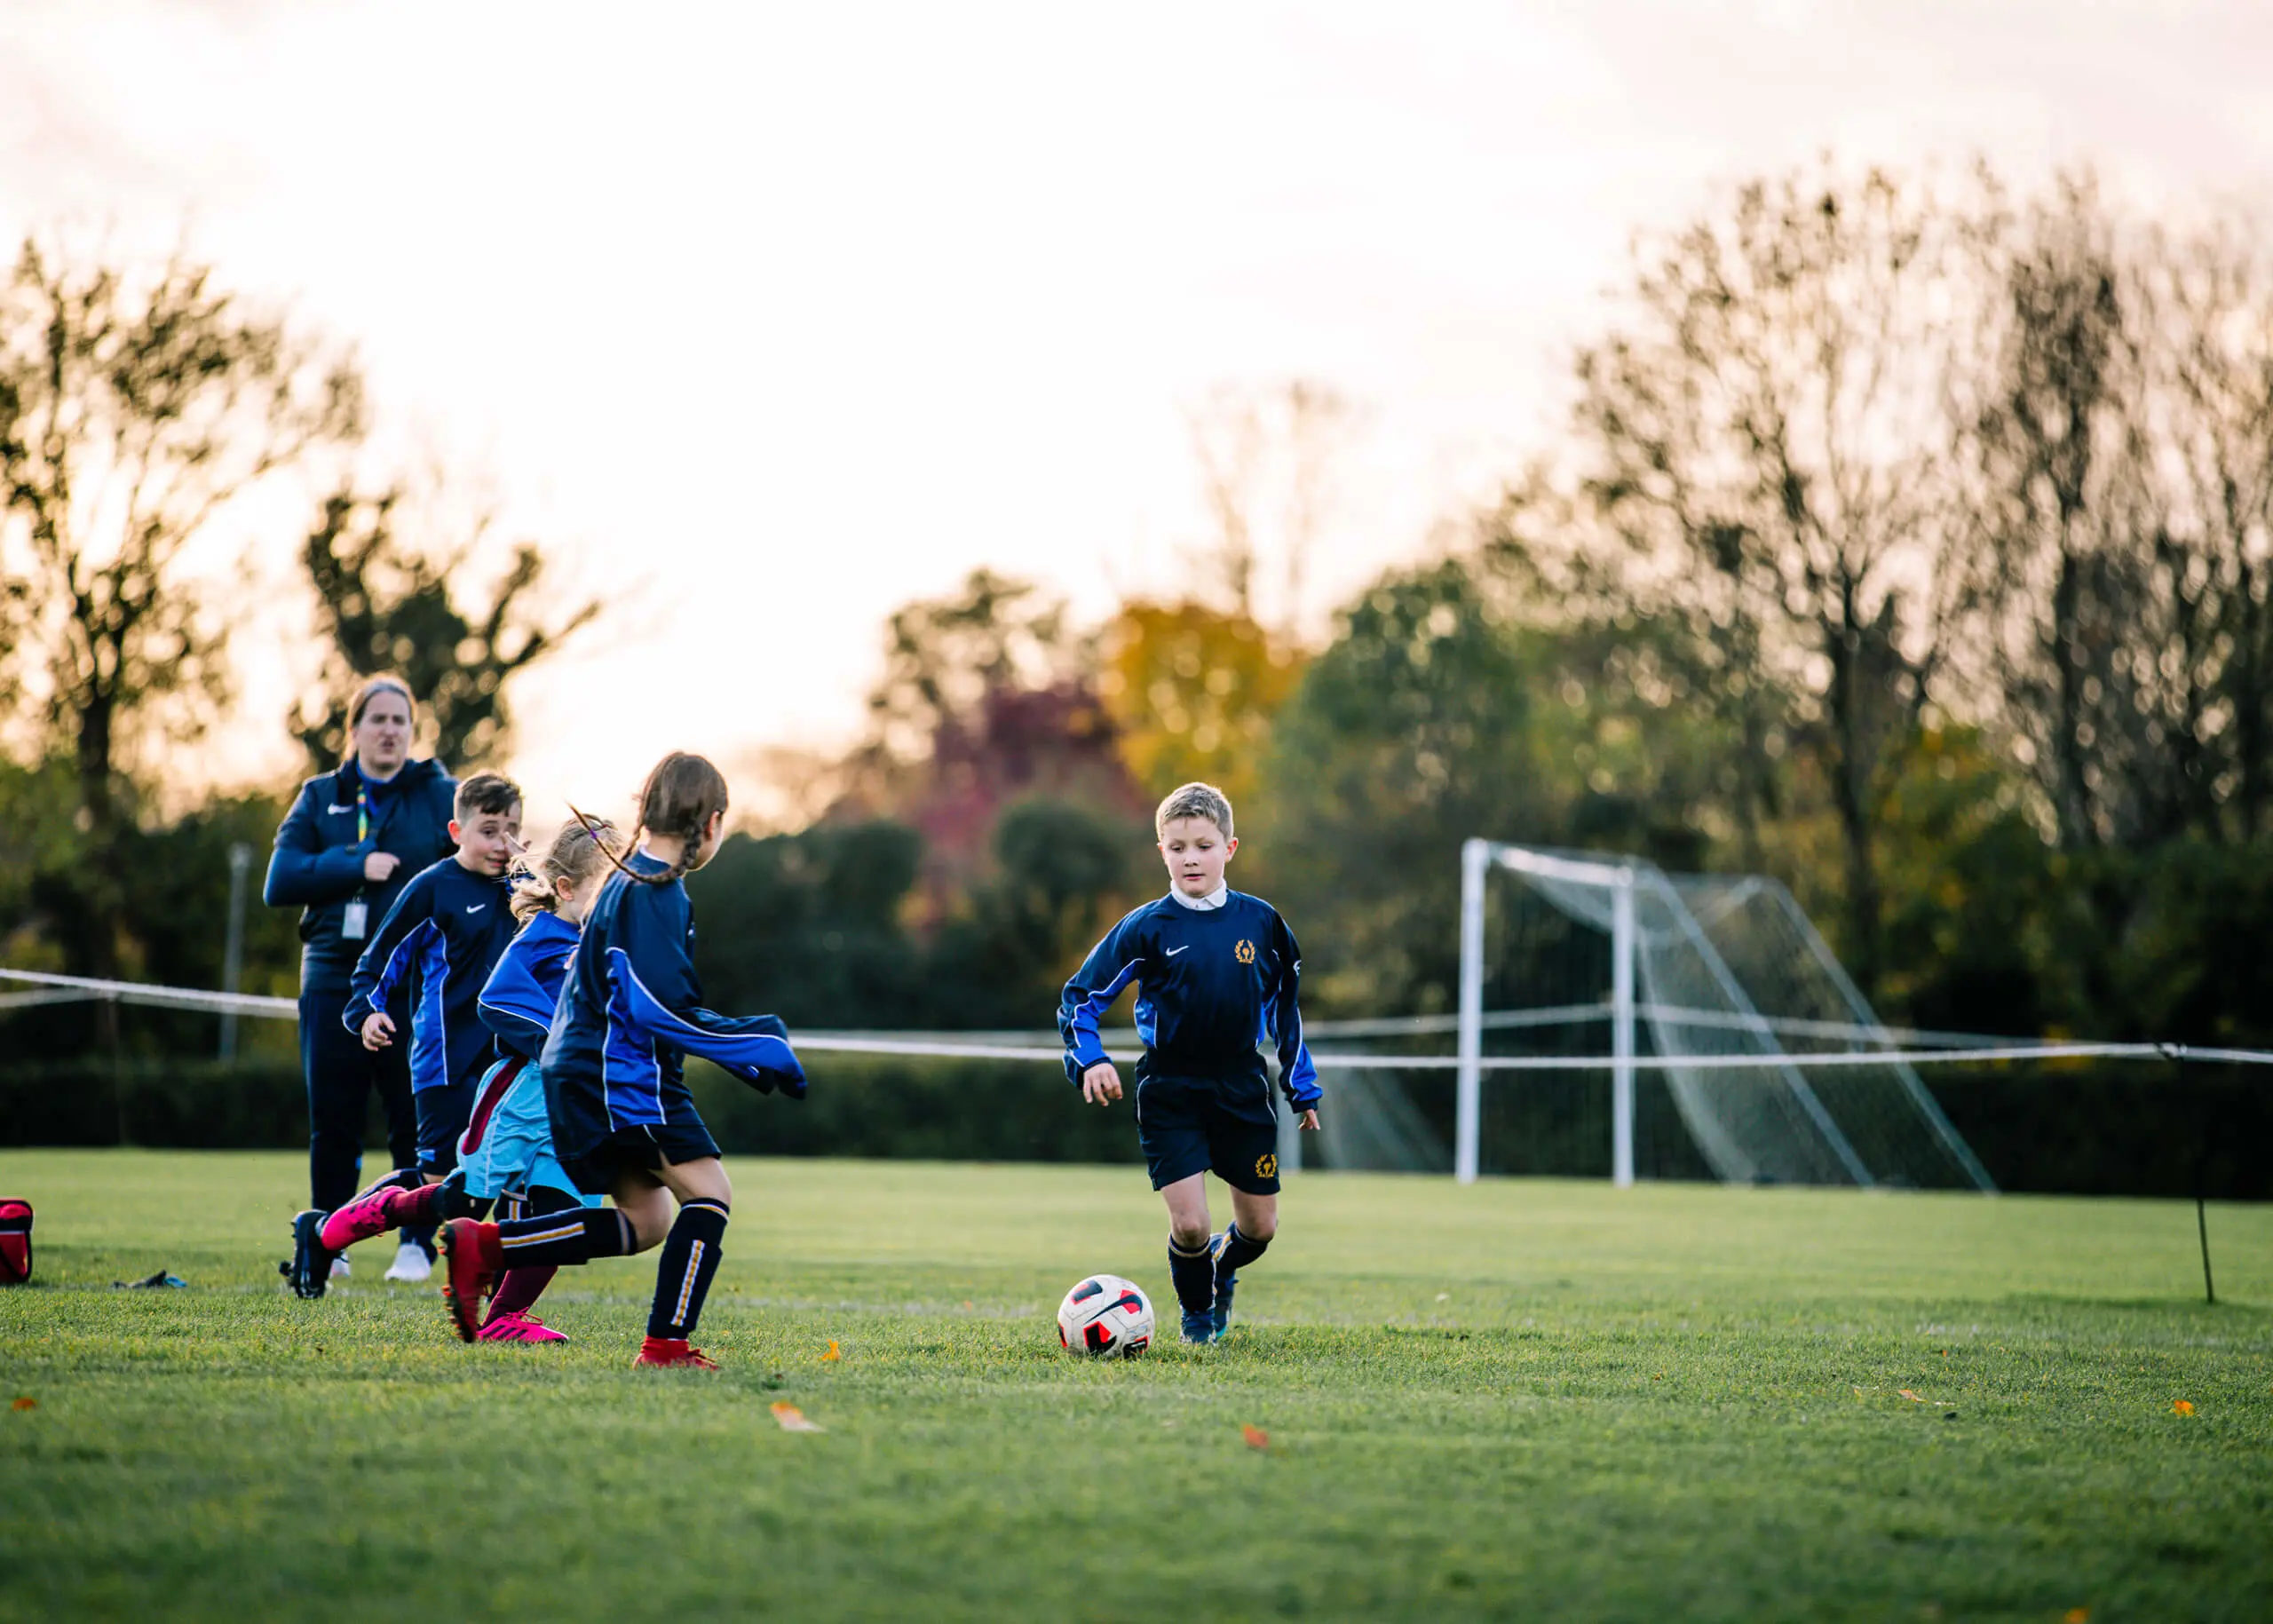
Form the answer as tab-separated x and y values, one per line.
1524	1399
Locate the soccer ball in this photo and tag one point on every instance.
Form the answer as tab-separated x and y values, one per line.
1107	1316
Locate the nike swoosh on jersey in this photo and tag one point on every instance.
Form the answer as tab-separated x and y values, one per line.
475	907
1172	952
336	807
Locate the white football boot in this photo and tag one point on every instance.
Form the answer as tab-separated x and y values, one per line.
410	1263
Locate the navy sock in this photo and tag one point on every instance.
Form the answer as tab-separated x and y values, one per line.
1238	1251
1194	1274
564	1238
682	1278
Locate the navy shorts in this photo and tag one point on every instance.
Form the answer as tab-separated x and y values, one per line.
1190	1125
595	1167
443	1112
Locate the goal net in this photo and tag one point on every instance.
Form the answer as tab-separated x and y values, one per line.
1685	980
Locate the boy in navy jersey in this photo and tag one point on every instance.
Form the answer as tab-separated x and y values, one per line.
1218	972
434	951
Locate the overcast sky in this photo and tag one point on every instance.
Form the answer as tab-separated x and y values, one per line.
781	316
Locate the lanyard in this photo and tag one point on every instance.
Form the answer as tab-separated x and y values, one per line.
363	812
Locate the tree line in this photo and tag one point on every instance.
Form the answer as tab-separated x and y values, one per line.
1905	537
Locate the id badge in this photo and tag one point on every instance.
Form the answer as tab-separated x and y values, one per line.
354	919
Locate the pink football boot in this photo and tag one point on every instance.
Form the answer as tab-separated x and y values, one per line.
518	1327
369	1214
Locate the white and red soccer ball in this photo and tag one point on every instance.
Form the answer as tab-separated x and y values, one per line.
1105	1316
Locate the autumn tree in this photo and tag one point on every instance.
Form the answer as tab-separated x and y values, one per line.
988	696
1192	691
387	604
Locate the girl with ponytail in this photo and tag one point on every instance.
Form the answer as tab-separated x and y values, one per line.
505	1156
624	1124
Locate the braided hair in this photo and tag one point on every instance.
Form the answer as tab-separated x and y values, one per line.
575	855
682	794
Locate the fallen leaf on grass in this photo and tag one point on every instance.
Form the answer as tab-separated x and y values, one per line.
1256	1438
2180	1407
832	1356
793	1419
24	1403
2076	1615
1914	1397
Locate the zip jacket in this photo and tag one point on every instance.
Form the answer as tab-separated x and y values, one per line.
337	820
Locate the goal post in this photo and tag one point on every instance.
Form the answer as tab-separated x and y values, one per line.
1717	967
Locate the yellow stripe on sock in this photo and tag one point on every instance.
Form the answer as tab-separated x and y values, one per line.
686	1286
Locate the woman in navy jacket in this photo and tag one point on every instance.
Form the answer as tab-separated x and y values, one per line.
351	843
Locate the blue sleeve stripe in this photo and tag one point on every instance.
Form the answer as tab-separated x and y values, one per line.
430	1032
747	1050
405	952
1081	1021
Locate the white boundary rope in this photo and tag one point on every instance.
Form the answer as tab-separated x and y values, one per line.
53	989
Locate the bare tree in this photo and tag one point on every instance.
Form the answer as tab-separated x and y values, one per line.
2210	300
2126	446
1267	458
1766	430
133	408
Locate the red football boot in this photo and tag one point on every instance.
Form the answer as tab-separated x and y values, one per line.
471	1255
668	1351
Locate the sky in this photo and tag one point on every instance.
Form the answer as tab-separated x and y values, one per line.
764	320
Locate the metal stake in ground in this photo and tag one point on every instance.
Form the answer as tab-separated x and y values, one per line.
2177	1056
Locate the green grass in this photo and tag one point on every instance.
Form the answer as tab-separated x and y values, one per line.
1522	1400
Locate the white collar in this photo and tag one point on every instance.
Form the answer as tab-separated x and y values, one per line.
1208	904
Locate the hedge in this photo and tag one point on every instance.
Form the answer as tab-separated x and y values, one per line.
2133	1129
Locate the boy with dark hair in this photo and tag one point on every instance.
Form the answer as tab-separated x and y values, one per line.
1217	973
434	950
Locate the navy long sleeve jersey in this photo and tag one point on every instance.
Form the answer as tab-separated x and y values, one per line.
1213	985
631	1011
337	820
442	937
518	1000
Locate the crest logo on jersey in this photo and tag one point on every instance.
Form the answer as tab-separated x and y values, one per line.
1246	951
1266	1165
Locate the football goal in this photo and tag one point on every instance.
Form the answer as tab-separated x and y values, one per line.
1717	984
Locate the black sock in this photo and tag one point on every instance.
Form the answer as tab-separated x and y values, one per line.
564	1238
1238	1252
1194	1274
682	1278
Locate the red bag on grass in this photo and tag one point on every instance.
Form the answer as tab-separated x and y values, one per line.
15	1241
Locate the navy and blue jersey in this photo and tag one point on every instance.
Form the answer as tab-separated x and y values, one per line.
631	1011
442	937
518	1000
339	819
1213	985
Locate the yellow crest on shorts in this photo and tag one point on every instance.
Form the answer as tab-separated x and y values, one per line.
1246	951
1266	1165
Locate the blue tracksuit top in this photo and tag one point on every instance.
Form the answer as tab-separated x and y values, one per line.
518	1000
337	820
448	928
631	1011
1212	984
